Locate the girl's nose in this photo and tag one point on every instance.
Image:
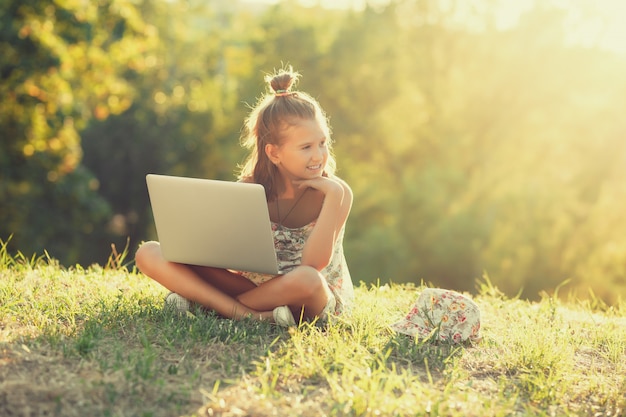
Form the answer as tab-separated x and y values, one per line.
319	154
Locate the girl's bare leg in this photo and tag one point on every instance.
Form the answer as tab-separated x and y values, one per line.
227	281
303	288
187	282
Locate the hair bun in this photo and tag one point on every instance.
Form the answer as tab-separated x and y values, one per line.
282	81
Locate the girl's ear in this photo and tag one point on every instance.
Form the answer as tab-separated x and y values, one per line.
272	153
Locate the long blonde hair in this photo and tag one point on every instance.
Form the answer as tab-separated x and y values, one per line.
275	110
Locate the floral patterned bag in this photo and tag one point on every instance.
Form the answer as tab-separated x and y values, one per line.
443	315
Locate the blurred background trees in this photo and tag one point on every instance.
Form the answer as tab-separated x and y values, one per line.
476	140
62	64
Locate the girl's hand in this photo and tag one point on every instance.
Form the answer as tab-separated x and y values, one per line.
327	186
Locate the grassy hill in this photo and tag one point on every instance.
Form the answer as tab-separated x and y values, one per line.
97	342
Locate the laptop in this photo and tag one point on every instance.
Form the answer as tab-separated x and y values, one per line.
206	222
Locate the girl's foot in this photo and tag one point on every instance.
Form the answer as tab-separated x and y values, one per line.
177	302
283	316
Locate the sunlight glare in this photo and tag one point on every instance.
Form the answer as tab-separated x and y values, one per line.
590	23
331	4
598	24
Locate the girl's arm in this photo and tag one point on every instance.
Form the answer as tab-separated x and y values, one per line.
319	247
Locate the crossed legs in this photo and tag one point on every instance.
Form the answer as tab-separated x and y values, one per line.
232	295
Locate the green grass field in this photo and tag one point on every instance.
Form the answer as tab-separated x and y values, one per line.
98	342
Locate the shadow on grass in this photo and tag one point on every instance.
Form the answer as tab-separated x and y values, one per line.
423	356
128	357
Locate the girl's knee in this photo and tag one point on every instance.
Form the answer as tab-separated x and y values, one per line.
310	281
313	290
147	254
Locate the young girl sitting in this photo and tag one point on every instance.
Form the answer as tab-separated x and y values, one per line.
291	156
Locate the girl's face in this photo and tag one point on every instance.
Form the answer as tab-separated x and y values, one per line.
303	151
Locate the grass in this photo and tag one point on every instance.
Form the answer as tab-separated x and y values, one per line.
97	342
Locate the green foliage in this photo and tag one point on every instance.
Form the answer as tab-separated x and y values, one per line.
61	64
481	160
470	146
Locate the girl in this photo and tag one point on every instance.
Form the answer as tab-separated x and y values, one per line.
289	138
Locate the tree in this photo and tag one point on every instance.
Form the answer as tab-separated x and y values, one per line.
181	121
61	65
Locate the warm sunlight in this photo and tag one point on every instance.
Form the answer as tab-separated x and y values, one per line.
592	23
589	23
600	24
329	4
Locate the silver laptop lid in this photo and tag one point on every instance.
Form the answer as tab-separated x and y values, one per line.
214	223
